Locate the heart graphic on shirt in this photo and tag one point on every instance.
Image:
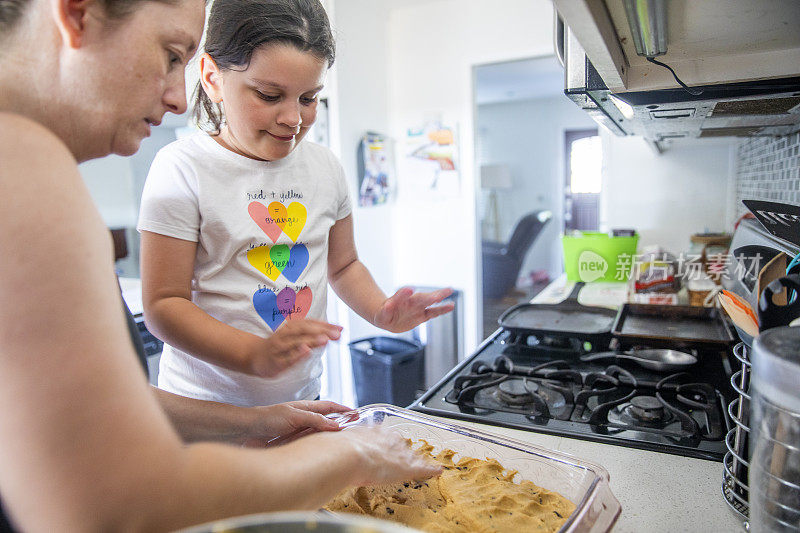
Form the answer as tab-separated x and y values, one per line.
277	212
298	260
260	215
260	259
266	303
287	304
279	255
302	303
295	220
278	218
274	260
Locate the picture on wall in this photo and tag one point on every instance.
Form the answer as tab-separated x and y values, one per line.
375	169
319	132
429	164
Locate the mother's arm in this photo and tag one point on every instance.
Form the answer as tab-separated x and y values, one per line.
85	445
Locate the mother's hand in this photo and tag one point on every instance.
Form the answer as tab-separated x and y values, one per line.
383	456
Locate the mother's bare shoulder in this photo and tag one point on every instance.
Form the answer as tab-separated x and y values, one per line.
26	146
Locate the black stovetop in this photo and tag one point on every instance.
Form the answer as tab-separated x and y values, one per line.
525	383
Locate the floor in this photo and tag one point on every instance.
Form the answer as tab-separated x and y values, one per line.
493	308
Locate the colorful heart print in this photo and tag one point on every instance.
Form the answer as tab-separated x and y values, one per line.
298	260
277	212
302	304
274	260
274	309
259	258
296	215
277	217
260	215
279	255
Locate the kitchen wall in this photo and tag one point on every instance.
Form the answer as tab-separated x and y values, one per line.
400	63
667	197
767	169
433	49
361	98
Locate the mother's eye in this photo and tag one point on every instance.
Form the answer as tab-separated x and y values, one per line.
174	59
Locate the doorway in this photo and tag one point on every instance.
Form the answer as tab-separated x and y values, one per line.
583	165
521	114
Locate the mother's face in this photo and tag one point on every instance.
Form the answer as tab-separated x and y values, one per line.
134	73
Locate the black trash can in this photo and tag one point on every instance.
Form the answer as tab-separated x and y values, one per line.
387	370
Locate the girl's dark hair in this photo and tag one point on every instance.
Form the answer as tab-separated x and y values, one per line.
236	28
12	10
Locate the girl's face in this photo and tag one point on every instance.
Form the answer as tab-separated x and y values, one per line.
270	106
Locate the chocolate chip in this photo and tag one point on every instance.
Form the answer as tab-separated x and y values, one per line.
390	510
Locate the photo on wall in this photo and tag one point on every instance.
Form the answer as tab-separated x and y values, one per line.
429	163
375	169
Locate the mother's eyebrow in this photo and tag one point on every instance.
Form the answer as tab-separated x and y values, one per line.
186	39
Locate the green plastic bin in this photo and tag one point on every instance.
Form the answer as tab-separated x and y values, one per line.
594	256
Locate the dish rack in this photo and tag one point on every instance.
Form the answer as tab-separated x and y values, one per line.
736	464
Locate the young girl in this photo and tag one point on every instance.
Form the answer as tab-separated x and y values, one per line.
244	226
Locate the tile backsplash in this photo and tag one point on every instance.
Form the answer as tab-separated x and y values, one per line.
768	169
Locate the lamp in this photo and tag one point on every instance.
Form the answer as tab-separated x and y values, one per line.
648	22
495	177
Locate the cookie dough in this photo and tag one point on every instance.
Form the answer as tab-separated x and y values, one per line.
472	495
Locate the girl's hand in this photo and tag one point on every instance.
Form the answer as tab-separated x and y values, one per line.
283	419
382	456
407	309
291	343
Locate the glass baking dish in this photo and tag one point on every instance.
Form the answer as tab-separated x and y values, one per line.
583	483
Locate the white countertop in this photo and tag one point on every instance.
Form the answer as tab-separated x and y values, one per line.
658	492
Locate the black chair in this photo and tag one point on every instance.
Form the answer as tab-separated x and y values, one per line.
502	261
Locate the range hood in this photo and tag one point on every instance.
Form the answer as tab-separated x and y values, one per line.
741	56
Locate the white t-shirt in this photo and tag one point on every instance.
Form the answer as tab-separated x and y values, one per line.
262	246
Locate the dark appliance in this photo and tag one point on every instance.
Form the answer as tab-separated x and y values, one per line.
524	380
755	243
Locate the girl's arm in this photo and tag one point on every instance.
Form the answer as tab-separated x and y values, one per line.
85	445
356	287
167	269
199	420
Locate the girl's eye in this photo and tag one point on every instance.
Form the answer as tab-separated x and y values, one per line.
267	97
308	100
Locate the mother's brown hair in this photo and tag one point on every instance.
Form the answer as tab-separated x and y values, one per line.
11	11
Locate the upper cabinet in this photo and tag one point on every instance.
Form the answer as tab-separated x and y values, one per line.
667	69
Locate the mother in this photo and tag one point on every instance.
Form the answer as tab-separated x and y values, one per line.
84	443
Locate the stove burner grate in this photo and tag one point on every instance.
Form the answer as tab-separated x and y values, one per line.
608	401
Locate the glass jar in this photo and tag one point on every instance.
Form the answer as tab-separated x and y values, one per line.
774	475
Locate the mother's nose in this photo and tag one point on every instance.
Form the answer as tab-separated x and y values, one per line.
174	97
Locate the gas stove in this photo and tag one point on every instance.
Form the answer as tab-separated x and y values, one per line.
541	384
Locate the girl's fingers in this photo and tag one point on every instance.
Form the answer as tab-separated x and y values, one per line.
433	312
323	407
313	420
